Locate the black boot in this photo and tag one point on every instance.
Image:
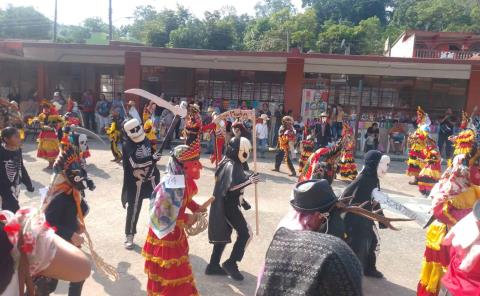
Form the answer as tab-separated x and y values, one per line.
373	273
215	270
231	268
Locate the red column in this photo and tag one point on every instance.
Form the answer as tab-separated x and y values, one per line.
473	97
133	73
294	85
41	81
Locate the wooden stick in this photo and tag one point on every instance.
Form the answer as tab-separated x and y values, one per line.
254	140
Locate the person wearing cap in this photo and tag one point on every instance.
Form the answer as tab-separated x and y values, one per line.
132	111
333	268
323	132
262	134
286	134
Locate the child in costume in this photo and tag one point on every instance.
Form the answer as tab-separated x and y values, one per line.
217	131
48	142
12	170
417	142
307	146
432	169
347	166
166	249
114	134
452	199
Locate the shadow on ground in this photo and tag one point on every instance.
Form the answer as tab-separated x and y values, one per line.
127	284
373	286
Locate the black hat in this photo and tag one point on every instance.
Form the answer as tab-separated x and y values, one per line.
314	196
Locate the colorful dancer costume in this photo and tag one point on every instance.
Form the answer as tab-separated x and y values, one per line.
322	164
48	142
114	134
193	126
432	169
225	214
286	134
453	198
151	133
465	141
65	208
417	142
307	147
166	248
140	175
217	130
347	166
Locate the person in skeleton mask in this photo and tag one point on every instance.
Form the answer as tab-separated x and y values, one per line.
361	232
65	208
12	170
225	214
140	175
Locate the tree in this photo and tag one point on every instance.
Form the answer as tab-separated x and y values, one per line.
73	34
95	24
190	35
333	36
269	7
24	23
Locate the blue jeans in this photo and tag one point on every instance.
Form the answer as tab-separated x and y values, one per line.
262	145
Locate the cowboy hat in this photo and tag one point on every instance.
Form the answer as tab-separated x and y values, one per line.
264	117
324	114
313	196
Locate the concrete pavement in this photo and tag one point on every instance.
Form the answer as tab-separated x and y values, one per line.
400	251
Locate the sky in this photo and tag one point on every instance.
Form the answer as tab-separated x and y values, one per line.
73	12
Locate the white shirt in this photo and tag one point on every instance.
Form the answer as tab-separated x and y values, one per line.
262	131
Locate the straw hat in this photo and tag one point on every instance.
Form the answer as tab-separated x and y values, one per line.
264	117
324	114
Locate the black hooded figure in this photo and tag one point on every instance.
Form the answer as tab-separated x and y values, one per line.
361	232
140	175
225	213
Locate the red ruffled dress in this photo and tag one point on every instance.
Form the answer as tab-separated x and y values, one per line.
166	260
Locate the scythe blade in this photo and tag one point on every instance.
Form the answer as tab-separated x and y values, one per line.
87	132
176	110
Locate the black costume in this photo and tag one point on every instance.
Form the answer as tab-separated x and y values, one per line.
140	175
225	213
323	135
361	232
332	269
12	173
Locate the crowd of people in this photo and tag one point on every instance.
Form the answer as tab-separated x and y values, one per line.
336	234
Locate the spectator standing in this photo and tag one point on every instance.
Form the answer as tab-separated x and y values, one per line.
323	132
338	124
446	130
132	111
279	113
371	137
166	120
397	136
117	103
262	134
29	107
103	111
88	108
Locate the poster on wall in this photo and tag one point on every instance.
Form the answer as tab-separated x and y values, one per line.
314	102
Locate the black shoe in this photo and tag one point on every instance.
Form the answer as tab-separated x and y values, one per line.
293	175
374	273
232	269
215	270
275	170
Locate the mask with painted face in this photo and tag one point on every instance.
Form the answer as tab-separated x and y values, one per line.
244	150
82	142
383	166
134	130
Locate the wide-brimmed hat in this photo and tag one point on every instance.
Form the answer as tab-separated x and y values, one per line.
324	114
313	196
264	117
287	118
131	103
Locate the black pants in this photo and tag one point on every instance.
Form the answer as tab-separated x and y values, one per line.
133	212
235	219
9	202
89	120
279	159
45	286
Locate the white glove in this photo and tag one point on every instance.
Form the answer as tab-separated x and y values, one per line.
465	238
156	156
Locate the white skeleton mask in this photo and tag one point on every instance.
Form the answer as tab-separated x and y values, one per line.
82	142
383	166
244	150
134	130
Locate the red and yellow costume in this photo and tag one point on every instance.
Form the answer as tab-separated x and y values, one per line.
193	125
115	135
453	199
347	165
217	130
150	132
308	146
432	169
417	142
167	263
48	144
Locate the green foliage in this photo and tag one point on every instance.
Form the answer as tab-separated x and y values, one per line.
24	23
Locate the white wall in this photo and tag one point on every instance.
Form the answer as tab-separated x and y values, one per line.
403	49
